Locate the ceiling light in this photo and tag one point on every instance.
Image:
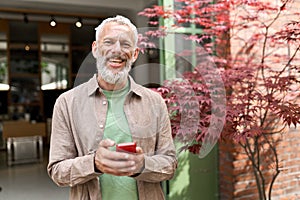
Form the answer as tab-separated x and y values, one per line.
27	47
78	24
52	21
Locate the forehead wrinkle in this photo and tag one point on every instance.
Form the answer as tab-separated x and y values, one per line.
122	31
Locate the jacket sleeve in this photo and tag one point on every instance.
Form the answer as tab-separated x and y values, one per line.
65	167
161	165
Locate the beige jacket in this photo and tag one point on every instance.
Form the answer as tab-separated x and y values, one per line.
77	128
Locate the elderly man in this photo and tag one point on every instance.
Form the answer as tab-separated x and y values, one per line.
90	119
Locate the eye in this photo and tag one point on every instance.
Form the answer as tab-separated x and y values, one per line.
126	45
107	42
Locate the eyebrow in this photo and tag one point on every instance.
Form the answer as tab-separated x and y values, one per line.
124	39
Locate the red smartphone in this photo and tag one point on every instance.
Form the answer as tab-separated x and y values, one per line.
129	147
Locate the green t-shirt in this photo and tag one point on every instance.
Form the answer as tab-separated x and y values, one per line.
117	129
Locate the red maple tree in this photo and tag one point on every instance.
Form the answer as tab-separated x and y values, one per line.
255	51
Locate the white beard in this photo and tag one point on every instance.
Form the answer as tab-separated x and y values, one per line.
108	76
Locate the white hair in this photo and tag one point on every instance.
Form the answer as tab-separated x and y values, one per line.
122	21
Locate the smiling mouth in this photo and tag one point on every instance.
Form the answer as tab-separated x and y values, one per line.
116	62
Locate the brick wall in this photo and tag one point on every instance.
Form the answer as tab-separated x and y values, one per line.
227	179
236	179
287	186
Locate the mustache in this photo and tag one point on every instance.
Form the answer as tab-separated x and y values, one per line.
115	56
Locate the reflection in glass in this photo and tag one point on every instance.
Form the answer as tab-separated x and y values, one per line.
24	95
184	55
24	62
3	63
180	6
54	62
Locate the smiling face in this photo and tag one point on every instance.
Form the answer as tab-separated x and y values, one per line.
114	51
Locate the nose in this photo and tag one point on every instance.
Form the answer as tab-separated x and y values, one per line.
116	47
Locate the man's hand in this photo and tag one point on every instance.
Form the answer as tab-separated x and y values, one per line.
139	160
118	163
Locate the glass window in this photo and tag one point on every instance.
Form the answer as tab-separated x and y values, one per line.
54	62
24	95
3	62
187	24
184	54
181	9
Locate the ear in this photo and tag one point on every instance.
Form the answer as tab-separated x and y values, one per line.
94	49
135	54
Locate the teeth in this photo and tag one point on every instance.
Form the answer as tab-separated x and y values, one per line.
116	60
